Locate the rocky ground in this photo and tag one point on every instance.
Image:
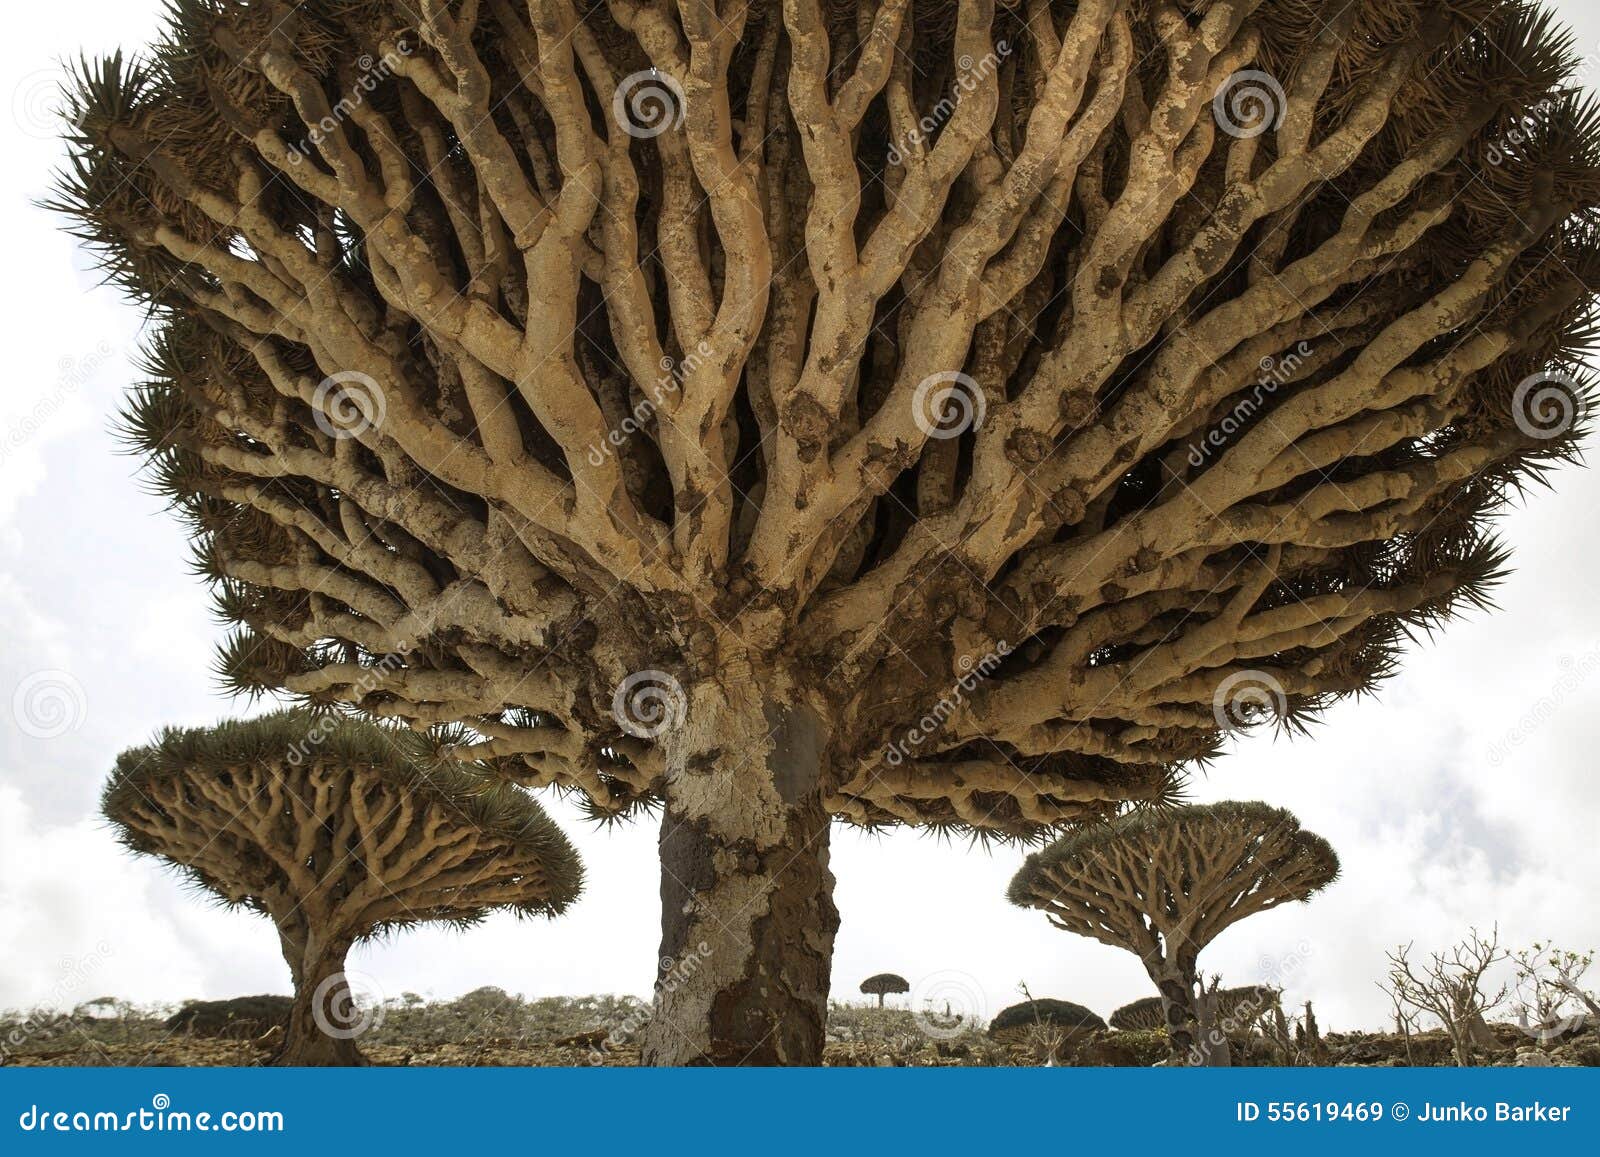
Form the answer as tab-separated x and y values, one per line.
488	1027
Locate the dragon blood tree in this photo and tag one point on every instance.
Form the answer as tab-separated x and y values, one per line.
1240	1007
1074	1021
883	983
910	412
1163	883
1140	1015
337	831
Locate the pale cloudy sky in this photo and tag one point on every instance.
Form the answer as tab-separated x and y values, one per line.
1465	793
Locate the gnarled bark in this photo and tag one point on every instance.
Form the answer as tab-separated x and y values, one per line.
323	1022
745	887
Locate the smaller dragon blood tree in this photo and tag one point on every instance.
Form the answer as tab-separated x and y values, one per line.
1074	1021
1164	883
338	831
1236	1005
884	983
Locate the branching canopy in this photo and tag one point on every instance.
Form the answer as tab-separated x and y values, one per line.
1060	1013
504	350
1251	1001
885	983
1163	885
340	827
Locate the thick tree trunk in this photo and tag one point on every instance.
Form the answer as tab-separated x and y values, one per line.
323	1022
1177	1003
880	1000
748	919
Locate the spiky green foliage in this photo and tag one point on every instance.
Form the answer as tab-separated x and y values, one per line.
1140	1015
1269	842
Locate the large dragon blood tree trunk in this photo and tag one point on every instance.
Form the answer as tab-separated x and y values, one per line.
324	1022
747	912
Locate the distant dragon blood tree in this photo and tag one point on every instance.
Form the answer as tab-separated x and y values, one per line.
1164	884
1074	1020
337	831
1239	1006
884	983
927	412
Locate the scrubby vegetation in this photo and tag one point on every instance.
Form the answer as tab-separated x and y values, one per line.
491	1027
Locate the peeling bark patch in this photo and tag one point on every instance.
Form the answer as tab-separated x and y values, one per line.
687	868
796	757
777	1013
